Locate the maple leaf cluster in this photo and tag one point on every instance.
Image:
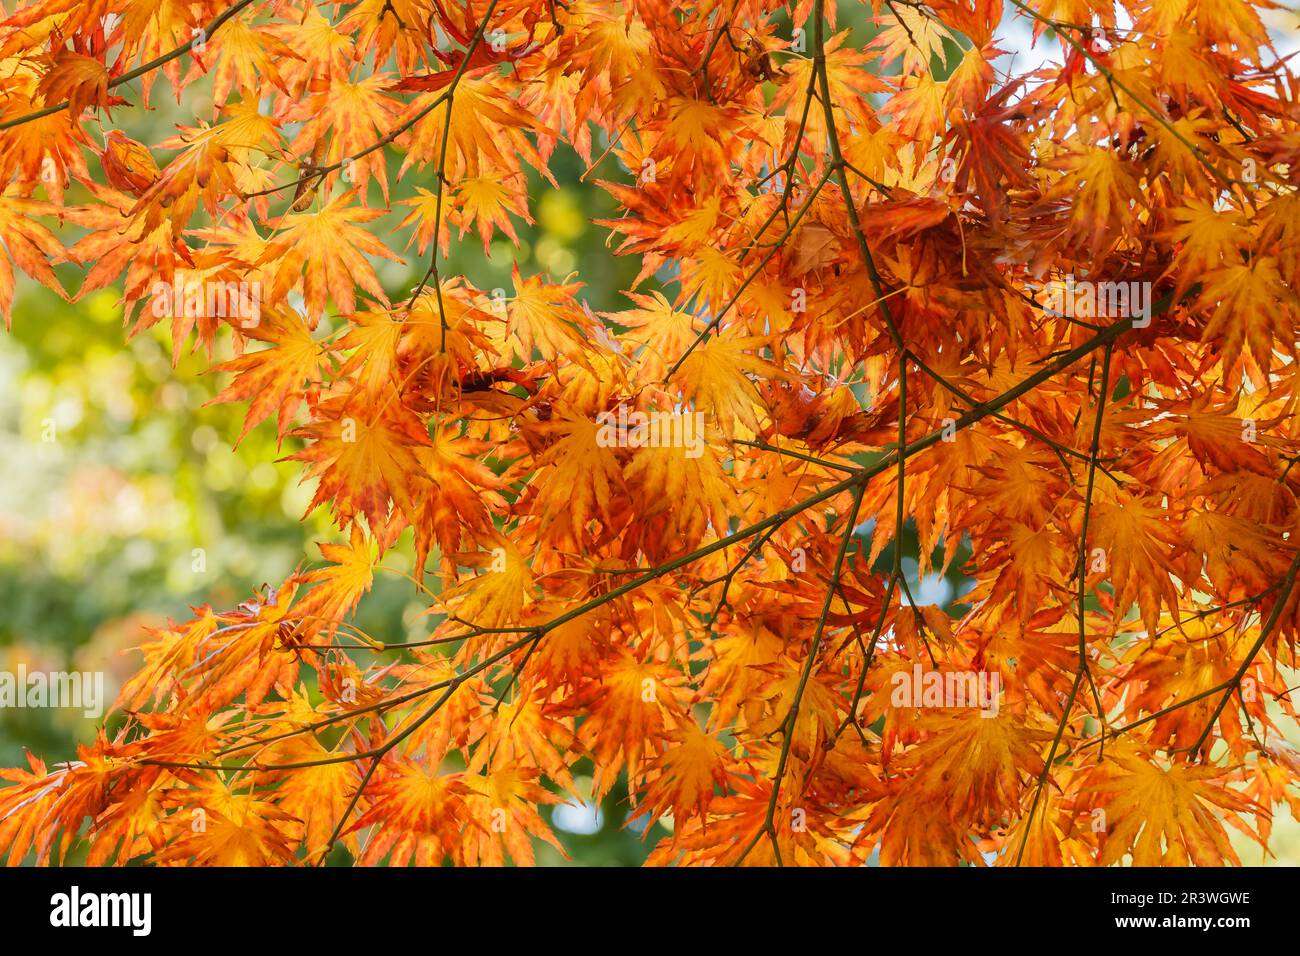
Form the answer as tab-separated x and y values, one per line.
1043	322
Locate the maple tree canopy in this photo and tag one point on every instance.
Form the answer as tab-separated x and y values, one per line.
1042	322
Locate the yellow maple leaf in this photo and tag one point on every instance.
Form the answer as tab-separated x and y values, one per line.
1164	815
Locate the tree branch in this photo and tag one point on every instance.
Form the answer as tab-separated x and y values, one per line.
206	34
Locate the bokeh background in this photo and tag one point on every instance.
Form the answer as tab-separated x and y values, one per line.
98	527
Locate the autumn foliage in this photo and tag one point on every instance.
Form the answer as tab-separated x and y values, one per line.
1042	324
